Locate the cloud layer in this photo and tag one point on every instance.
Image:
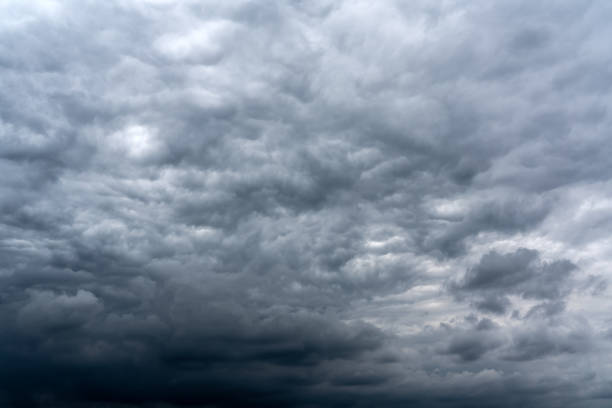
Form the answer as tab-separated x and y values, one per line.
304	203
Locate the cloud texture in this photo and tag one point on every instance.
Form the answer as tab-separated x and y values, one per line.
305	203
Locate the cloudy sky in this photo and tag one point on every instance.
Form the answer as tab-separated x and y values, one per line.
305	203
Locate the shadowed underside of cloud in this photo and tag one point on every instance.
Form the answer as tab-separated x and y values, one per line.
519	273
304	204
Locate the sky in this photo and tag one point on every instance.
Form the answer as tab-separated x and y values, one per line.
305	203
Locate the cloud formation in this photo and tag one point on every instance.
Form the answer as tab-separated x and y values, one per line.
304	203
519	273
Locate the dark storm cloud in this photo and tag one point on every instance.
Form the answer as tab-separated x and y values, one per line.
505	217
539	343
209	204
471	346
520	273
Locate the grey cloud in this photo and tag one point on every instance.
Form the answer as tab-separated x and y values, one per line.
472	346
501	217
49	311
539	343
517	273
546	309
240	203
493	303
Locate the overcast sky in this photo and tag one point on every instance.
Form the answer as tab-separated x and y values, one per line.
305	203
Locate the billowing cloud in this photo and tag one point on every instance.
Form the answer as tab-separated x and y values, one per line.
519	273
304	204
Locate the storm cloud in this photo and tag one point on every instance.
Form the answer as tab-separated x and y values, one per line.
305	203
519	273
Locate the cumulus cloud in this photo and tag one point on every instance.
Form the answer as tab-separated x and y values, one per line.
298	204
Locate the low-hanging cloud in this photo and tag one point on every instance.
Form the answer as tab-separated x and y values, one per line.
304	204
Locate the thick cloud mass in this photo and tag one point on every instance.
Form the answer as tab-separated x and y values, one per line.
518	273
305	203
